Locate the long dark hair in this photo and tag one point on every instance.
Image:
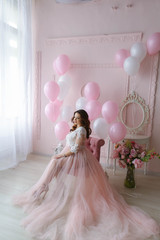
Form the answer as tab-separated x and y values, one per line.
84	121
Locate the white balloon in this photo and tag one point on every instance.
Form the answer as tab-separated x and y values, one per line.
64	83
63	90
100	128
131	65
139	50
67	113
66	78
81	103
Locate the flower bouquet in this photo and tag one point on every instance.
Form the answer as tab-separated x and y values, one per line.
132	155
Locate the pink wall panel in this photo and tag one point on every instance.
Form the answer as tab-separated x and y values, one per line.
92	57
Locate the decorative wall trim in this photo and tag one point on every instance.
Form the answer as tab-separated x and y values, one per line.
152	90
37	96
91	40
95	65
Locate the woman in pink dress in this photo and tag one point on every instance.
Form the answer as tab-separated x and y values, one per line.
73	199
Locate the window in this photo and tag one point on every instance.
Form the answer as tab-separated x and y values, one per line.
15	81
9	59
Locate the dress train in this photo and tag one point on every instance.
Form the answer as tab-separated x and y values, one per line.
81	204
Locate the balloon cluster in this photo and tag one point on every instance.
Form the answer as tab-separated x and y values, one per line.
56	92
109	111
130	61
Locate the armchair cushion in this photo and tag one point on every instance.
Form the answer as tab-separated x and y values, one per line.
94	145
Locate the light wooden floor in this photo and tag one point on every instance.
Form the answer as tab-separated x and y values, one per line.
146	195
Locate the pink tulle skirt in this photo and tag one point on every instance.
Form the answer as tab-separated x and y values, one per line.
73	200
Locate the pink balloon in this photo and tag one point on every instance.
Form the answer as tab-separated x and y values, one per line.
93	109
117	132
110	111
91	91
61	64
58	103
153	43
51	90
52	111
120	57
61	130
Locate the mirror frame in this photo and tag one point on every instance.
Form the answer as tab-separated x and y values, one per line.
135	98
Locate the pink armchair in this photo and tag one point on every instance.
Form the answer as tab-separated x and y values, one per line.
94	145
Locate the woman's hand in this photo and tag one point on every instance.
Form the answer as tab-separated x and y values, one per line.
58	156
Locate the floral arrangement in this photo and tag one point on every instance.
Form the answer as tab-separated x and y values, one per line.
131	154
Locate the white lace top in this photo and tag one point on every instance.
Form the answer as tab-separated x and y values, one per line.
76	139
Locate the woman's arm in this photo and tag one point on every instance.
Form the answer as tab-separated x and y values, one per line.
67	154
80	139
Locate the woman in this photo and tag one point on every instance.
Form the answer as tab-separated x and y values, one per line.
80	203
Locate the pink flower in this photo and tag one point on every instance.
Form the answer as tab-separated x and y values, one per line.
119	149
133	153
122	157
143	154
136	146
128	160
121	164
125	151
115	154
137	163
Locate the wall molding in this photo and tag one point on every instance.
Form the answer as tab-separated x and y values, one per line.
152	92
37	96
95	65
92	40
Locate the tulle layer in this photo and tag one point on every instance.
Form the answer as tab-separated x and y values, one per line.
81	205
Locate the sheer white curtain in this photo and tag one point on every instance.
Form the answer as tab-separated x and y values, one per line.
15	81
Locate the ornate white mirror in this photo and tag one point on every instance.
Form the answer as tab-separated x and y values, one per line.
134	113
